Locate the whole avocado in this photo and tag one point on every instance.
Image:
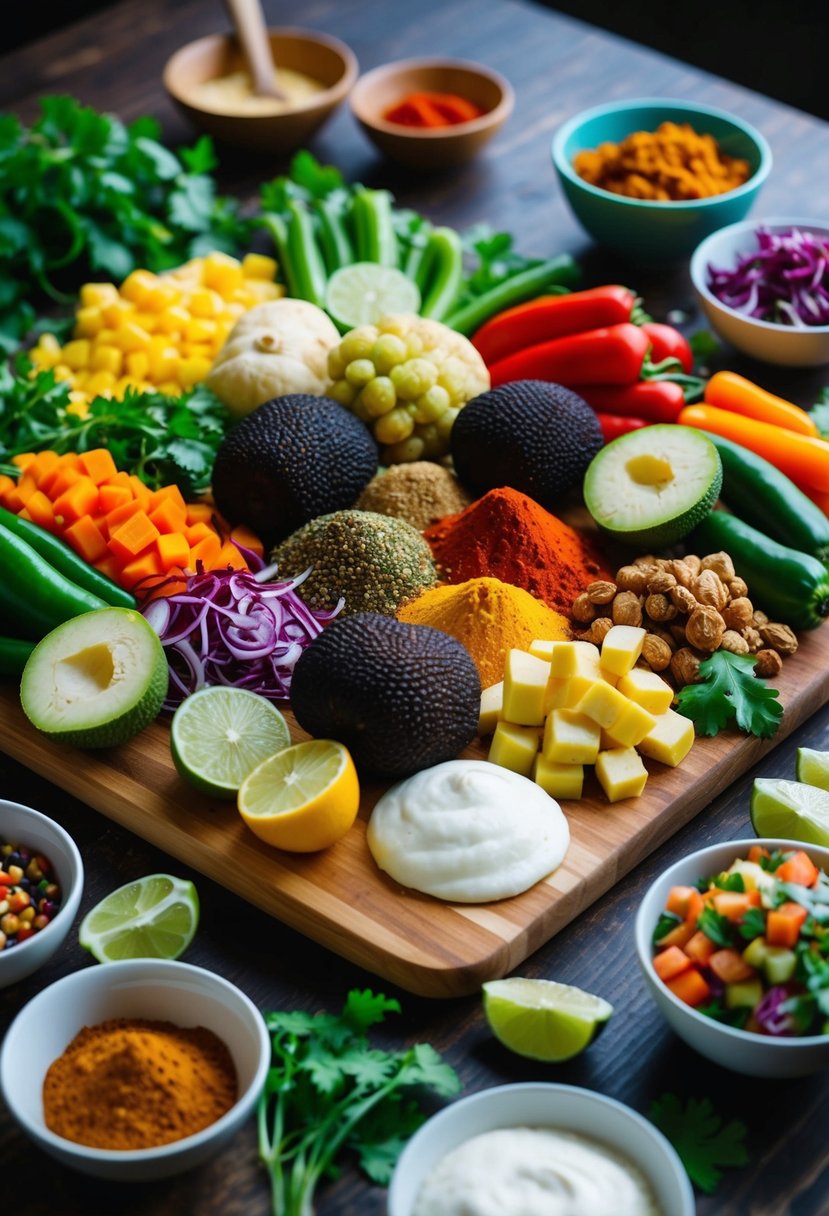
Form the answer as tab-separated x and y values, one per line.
400	697
293	458
531	435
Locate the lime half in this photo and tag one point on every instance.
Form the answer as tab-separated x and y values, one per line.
219	735
542	1019
813	767
791	810
153	917
363	292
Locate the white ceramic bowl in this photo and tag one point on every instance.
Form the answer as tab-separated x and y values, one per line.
538	1104
742	1051
780	344
24	826
139	988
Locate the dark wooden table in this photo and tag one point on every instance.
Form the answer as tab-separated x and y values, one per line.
558	66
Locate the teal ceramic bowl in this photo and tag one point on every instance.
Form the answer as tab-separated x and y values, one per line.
640	230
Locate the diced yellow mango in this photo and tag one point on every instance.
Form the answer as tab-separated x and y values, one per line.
621	648
223	273
193	369
107	359
138	364
258	266
558	780
492	700
76	354
648	689
96	295
147	320
88	322
621	773
137	285
514	747
173	320
631	726
575	658
669	740
570	738
130	336
204	302
525	684
603	703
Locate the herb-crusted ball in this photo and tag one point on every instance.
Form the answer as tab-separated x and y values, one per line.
293	458
400	697
374	562
534	436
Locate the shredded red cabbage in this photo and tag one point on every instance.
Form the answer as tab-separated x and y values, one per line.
234	627
786	280
769	1015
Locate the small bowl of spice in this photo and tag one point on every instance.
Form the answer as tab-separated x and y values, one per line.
41	881
431	113
135	1070
764	287
649	179
208	81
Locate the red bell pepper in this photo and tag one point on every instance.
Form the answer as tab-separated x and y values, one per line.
654	400
549	317
614	425
611	355
669	343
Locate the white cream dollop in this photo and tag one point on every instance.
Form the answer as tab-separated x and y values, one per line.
468	831
534	1171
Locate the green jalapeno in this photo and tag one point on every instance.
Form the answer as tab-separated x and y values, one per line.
444	256
13	655
35	596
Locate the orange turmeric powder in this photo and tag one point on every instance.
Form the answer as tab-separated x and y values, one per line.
671	164
132	1083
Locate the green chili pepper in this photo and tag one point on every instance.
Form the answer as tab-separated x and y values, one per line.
374	227
35	596
767	499
560	271
305	259
334	240
444	257
416	254
278	231
792	587
13	655
61	558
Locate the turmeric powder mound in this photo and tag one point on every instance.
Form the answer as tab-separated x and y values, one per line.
489	617
672	164
131	1083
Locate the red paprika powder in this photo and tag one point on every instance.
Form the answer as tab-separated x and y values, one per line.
508	536
427	109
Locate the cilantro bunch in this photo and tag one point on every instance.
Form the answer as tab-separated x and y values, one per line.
329	1090
703	1140
82	193
729	693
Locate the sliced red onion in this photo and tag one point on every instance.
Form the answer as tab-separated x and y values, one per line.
785	280
233	627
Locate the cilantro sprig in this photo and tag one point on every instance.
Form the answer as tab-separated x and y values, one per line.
329	1090
704	1142
729	693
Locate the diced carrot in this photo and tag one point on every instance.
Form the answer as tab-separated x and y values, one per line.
98	464
249	539
41	511
799	868
171	493
133	537
679	899
59	481
700	948
121	478
168	516
671	962
690	986
783	924
729	966
229	555
6	483
12	500
757	852
121	514
145	566
173	550
23	459
26	487
198	532
199	512
86	539
42	464
80	499
679	935
206	551
111	496
110	567
734	904
142	493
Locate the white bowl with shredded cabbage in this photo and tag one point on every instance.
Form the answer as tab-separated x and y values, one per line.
763	285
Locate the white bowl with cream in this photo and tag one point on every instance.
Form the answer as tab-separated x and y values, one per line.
603	1124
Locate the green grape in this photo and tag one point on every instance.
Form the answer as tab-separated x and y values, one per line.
379	396
432	404
387	352
359	372
336	363
358	344
343	392
393	427
446	421
404	451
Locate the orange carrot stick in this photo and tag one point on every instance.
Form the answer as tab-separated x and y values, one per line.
804	459
728	391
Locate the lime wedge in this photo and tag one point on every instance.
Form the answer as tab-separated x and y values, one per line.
363	292
153	917
813	767
791	810
542	1019
219	735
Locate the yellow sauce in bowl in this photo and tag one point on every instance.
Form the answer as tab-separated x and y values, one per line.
233	93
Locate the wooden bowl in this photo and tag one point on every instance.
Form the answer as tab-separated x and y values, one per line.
431	148
320	56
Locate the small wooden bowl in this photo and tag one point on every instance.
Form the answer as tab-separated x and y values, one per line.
320	56
435	148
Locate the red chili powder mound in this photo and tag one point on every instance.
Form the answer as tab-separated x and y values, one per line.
507	535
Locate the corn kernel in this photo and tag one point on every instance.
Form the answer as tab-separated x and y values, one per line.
200	329
162	296
197	350
107	359
106	337
63	371
204	302
164	364
222	272
116	313
147	320
76	353
97	295
138	364
257	266
100	382
42	357
173	319
79	408
170	388
138	285
130	336
193	370
88	322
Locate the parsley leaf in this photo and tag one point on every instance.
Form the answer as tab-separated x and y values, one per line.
667	922
329	1090
704	1142
729	692
752	924
715	926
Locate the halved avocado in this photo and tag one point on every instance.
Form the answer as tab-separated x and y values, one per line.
97	679
651	487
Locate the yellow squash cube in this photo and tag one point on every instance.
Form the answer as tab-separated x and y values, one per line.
558	780
514	747
621	773
570	738
621	648
525	685
647	689
492	701
669	740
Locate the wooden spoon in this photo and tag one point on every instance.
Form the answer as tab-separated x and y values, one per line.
249	23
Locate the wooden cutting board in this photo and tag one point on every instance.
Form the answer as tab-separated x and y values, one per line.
340	899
